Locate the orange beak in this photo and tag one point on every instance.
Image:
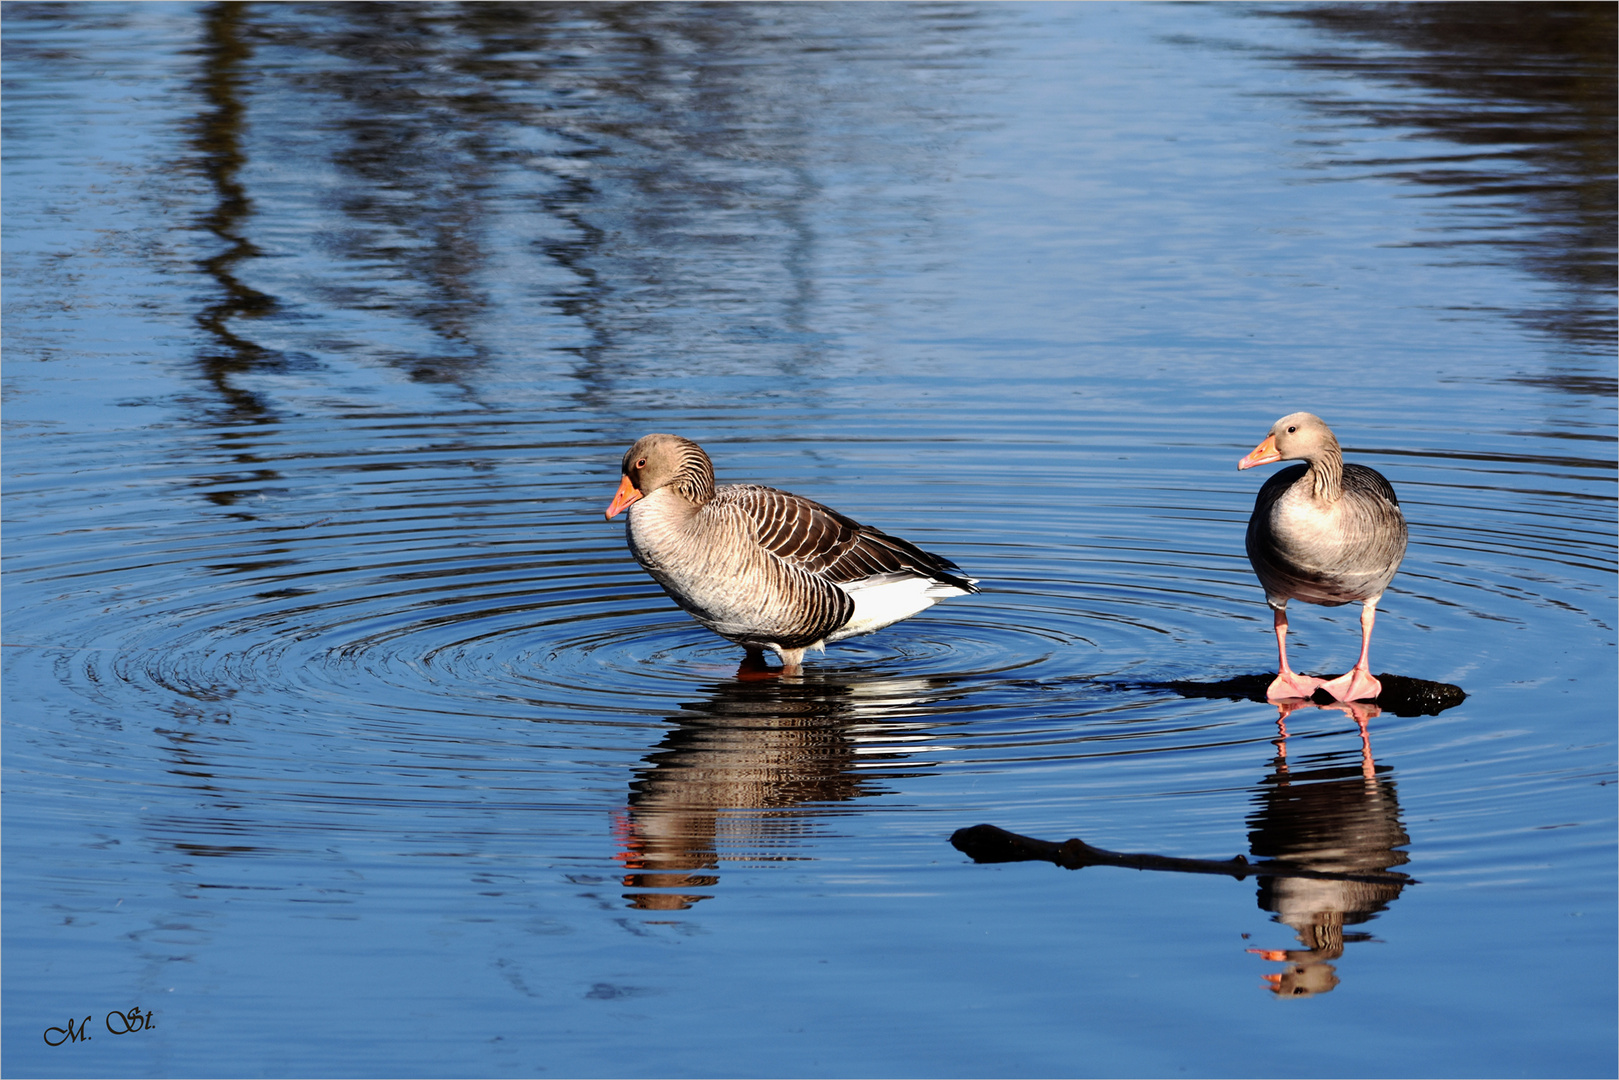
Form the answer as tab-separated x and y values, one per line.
1263	454
626	495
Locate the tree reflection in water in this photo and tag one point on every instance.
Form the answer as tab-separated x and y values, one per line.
1526	94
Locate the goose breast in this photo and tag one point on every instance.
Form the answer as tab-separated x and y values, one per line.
1327	553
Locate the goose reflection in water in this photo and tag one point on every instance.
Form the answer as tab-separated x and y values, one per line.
1325	840
1334	818
743	776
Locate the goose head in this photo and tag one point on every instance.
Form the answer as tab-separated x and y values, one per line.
1299	436
660	461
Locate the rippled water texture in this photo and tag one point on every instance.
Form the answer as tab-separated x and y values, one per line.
343	736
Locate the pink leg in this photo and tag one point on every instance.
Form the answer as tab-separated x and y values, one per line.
1358	683
1288	683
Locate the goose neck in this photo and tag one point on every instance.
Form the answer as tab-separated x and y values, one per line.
1327	474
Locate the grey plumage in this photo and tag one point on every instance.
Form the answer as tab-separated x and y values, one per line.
766	568
1301	552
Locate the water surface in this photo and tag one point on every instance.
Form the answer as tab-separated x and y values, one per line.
344	736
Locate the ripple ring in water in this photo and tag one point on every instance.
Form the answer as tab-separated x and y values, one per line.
634	661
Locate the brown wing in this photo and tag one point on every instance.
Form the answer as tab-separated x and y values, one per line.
818	540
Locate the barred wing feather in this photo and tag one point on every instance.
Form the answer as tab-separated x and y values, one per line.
820	541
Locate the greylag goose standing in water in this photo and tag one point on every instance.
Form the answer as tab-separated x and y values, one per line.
764	568
1325	533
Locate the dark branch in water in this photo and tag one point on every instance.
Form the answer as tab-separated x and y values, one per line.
1402	695
988	844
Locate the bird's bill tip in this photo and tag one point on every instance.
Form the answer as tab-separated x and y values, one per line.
626	495
1263	454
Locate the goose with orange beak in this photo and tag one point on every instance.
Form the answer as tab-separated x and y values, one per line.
765	568
1326	533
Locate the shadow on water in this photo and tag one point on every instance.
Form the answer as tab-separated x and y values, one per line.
1327	838
226	354
743	776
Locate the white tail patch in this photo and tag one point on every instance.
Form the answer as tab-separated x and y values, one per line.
884	599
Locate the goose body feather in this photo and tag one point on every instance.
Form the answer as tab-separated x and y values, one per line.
766	568
1345	551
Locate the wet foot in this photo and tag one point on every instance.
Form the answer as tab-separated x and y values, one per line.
1356	684
1290	684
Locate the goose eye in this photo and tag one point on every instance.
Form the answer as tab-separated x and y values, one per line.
1292	428
641	464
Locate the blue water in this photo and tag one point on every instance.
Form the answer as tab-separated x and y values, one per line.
343	736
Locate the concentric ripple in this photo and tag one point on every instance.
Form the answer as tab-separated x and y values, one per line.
426	614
